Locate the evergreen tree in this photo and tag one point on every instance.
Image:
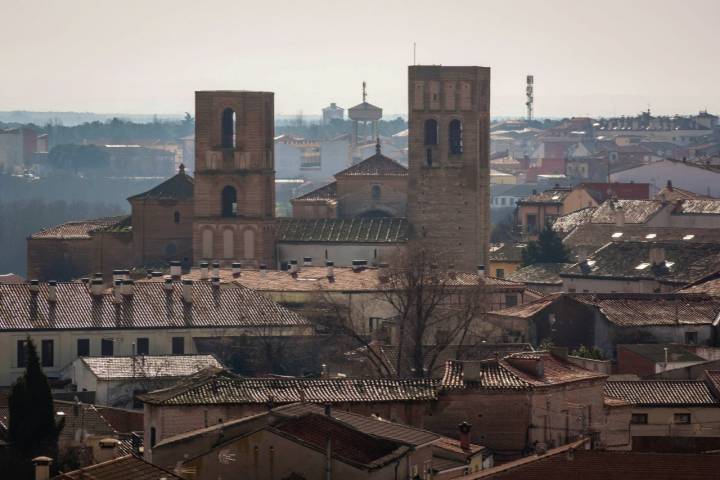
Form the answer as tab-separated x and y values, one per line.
32	429
547	249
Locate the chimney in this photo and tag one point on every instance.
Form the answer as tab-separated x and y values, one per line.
534	366
464	428
328	410
97	287
168	285
307	261
128	287
236	267
619	216
204	270
85	280
157	274
263	269
107	450
383	272
481	272
471	371
215	282
330	268
358	265
149	273
98	275
175	270
52	291
669	185
187	291
657	256
42	467
301	393
116	275
216	269
126	274
293	267
34	286
117	291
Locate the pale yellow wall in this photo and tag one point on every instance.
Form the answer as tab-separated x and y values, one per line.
578	199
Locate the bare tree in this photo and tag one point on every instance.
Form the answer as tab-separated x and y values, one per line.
433	309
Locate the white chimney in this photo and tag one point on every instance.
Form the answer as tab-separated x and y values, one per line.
236	268
293	266
168	285
204	270
34	286
126	274
619	216
175	270
263	269
52	291
187	291
42	467
216	269
116	275
481	271
117	291
330	268
128	287
307	261
215	281
97	287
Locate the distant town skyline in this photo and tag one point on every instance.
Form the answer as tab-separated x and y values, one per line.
149	57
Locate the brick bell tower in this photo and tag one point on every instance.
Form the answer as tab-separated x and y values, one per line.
449	175
234	199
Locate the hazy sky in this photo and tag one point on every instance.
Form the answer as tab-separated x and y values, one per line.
148	56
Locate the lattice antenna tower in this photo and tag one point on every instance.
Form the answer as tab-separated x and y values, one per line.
530	97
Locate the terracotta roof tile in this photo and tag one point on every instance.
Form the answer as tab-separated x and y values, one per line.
211	387
378	164
123	468
178	187
634	211
77	229
540	274
342	230
149	307
326	192
661	392
148	366
699	207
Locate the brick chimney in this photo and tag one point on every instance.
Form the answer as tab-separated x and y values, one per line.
52	291
187	291
532	365
465	428
42	467
117	291
97	287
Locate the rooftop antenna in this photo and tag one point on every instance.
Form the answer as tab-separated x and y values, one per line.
530	79
364	91
414	53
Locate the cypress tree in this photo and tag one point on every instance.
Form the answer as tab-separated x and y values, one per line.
547	249
32	429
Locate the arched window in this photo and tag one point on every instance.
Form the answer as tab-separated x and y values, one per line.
229	202
176	217
228	243
376	192
431	132
228	128
207	243
455	136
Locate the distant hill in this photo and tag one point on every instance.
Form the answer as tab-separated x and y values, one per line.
70	119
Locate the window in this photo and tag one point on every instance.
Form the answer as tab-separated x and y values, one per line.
376	192
107	347
374	323
229	201
455	137
681	419
511	300
143	346
500	272
178	345
83	347
228	128
47	353
176	217
428	157
531	223
21	353
639	418
691	338
502	201
153	437
431	132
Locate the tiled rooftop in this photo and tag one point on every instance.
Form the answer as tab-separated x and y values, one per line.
213	387
343	230
178	187
655	393
150	306
626	191
123	468
78	229
566	223
144	366
507	252
555	195
595	235
634	211
539	273
684	261
709	285
699	207
326	192
378	164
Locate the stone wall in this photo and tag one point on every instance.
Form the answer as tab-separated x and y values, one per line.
158	237
355	196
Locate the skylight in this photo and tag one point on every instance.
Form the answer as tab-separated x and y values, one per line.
642	266
689	237
617	235
651	235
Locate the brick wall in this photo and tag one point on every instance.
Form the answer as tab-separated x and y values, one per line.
157	237
355	195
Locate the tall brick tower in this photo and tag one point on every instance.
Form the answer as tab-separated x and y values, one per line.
234	199
449	175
